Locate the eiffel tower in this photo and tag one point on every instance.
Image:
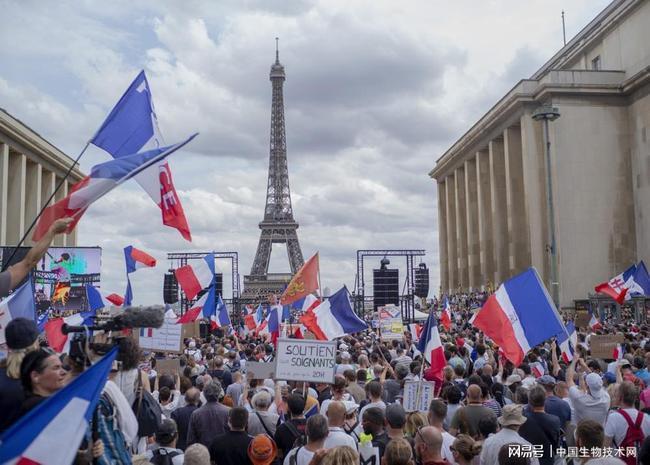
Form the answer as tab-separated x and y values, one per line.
278	225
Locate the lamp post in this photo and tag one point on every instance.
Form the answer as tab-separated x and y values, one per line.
547	113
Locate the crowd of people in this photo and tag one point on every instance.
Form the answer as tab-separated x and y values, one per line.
486	411
213	410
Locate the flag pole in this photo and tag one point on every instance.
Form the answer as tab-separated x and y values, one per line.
5	263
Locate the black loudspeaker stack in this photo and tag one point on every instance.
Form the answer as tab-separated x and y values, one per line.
421	275
385	283
170	288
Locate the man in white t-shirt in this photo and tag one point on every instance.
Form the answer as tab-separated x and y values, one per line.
590	401
617	426
337	435
317	431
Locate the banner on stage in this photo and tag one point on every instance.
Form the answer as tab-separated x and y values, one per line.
390	322
418	402
167	338
305	360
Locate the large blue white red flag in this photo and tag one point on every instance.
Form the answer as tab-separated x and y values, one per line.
615	287
431	348
195	277
274	322
134	259
519	315
131	127
50	434
255	319
19	304
333	318
221	318
103	178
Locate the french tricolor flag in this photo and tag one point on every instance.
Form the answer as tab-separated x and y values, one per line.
445	316
196	277
431	346
221	318
97	300
415	330
310	302
519	316
205	305
103	178
333	318
19	304
537	369
567	342
594	323
136	259
254	319
51	433
618	352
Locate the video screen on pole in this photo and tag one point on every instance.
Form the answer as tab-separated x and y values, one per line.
60	277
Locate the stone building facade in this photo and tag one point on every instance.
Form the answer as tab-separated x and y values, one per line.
30	169
493	220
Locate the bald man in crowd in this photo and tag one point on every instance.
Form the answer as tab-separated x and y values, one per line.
428	442
466	418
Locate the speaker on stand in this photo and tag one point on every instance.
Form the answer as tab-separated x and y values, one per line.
385	283
421	275
170	288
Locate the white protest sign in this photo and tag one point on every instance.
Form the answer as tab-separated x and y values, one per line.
167	338
414	401
305	360
390	321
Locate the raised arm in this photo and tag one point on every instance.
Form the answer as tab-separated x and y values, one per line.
23	267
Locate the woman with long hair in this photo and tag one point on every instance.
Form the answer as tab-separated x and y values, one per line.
465	450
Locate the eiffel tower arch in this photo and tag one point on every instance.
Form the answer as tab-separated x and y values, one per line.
278	225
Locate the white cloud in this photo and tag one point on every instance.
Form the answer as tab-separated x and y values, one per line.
375	92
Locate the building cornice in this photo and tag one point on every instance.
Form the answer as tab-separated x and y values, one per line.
20	133
555	83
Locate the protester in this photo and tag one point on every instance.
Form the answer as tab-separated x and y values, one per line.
41	374
624	425
464	450
398	452
293	428
540	427
317	431
436	416
466	418
231	447
590	437
197	454
21	337
261	420
341	455
590	401
510	420
262	450
428	442
209	420
182	415
372	422
337	435
165	446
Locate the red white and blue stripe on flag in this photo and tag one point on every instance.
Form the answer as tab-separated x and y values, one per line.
519	316
19	304
334	317
195	277
51	433
431	347
103	178
567	342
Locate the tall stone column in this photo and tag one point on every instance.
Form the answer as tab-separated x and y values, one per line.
484	207
16	197
442	236
534	169
473	249
4	191
48	184
61	239
461	226
452	255
499	214
32	195
518	240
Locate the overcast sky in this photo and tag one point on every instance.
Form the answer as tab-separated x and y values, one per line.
376	91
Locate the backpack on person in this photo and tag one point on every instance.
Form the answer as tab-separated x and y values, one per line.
163	457
300	439
293	459
633	436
